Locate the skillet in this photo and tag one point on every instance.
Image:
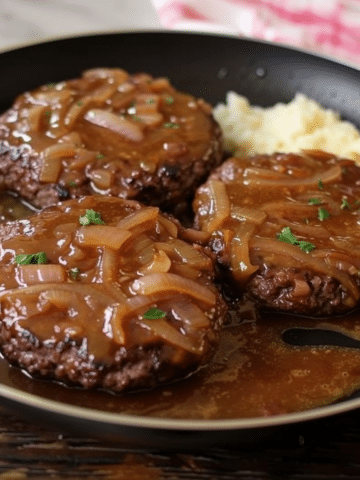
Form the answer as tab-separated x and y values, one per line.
207	66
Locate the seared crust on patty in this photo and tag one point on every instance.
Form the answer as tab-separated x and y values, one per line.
285	226
121	303
108	132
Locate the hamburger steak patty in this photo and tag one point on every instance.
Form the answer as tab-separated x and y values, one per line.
108	132
286	229
103	292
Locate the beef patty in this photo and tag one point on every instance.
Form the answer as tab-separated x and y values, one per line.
103	292
286	228
108	132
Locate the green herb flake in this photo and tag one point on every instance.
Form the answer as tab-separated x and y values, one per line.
136	118
51	85
72	183
80	104
154	314
171	125
323	214
315	201
31	258
345	204
99	156
74	273
48	113
91	217
320	184
306	246
150	101
287	236
357	202
307	221
169	100
344	170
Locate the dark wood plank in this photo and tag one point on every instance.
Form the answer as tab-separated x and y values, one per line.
328	449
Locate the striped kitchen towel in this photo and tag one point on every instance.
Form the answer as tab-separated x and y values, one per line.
329	27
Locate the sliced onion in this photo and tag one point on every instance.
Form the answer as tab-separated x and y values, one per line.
83	158
59	298
102	235
144	217
303	229
186	253
35	117
240	262
189	314
51	161
167	332
109	260
34	274
333	174
169	226
265	173
291	209
317	154
76	110
161	263
282	250
116	73
163	284
251	214
151	119
128	129
159	84
195	236
101	178
147	103
220	205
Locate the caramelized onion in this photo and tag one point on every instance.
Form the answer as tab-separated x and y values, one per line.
220	205
251	214
102	235
160	263
114	73
185	252
163	284
51	159
281	250
34	274
240	262
83	158
101	178
333	174
109	265
190	314
140	218
167	332
128	129
169	226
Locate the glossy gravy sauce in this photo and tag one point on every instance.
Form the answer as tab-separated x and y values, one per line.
253	373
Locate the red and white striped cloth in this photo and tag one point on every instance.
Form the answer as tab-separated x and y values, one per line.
330	27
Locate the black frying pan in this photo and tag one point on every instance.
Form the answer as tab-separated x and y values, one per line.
207	66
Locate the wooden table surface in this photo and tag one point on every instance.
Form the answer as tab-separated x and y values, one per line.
325	449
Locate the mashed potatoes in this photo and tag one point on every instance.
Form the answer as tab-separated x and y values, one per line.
302	123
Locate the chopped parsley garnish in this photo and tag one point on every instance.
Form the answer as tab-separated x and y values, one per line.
344	170
323	214
287	236
169	100
150	101
80	104
154	314
171	125
31	258
345	204
51	85
72	183
91	217
320	184
136	118
99	156
314	201
357	202
74	273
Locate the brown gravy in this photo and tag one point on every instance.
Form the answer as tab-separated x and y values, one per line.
253	374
